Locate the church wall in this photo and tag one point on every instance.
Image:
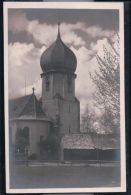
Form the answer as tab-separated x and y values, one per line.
69	112
50	108
60	100
58	84
70	117
13	128
36	129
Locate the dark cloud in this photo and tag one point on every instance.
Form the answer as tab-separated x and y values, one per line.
106	19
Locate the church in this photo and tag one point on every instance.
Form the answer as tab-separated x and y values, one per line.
49	127
57	110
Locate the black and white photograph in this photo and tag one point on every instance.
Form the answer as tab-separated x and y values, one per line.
64	97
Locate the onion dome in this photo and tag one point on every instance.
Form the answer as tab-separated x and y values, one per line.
58	57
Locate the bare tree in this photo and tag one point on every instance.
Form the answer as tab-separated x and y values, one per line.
109	123
107	82
87	121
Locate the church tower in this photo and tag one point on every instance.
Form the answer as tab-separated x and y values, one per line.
58	65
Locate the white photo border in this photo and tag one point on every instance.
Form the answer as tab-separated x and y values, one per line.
67	5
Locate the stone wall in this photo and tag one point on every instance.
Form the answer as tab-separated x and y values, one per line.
92	154
68	111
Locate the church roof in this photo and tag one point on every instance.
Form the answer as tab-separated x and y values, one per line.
26	106
86	141
77	141
58	57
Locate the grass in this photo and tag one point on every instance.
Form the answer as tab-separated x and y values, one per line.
25	177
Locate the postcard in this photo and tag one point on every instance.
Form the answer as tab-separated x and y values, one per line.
64	97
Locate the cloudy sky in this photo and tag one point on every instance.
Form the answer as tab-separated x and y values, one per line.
31	31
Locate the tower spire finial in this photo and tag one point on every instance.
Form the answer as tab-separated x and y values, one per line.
58	36
33	90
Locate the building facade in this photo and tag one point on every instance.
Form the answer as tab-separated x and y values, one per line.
54	120
28	124
37	120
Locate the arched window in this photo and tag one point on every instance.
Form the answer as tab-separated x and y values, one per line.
22	139
26	135
47	83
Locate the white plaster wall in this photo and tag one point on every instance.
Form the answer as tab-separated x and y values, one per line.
13	126
36	129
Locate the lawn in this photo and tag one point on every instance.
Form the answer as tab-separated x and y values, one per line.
25	177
